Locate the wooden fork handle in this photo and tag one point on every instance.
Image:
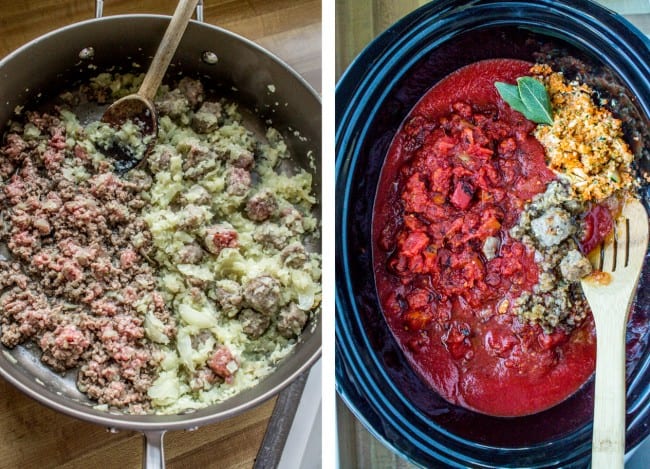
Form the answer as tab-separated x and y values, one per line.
609	411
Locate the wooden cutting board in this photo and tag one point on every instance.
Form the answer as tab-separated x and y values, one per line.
33	436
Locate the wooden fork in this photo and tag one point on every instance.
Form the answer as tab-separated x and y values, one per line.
609	291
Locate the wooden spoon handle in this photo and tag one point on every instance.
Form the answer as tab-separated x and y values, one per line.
167	48
609	409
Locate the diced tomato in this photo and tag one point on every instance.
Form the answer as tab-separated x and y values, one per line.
415	242
462	195
549	341
500	342
598	224
418	299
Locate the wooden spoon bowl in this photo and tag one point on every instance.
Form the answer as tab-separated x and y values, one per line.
141	112
139	107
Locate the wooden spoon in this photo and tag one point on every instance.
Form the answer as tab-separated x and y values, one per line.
139	107
609	291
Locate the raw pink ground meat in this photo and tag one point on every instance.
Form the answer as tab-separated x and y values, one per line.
74	273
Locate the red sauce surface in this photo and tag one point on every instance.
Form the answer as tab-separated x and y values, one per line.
460	170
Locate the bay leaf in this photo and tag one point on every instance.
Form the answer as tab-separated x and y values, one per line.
510	94
534	97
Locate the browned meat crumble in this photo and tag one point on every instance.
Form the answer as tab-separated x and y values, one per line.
77	266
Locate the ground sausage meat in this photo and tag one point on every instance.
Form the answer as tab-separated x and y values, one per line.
173	104
291	321
207	118
229	297
219	237
238	181
554	226
75	244
242	159
190	254
192	89
64	347
223	363
272	236
574	266
294	255
263	294
254	324
162	287
261	206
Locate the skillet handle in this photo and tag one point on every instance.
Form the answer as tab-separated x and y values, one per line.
99	10
153	456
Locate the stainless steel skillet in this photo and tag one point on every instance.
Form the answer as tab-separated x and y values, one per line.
53	63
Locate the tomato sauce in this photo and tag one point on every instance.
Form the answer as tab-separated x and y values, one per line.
456	178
